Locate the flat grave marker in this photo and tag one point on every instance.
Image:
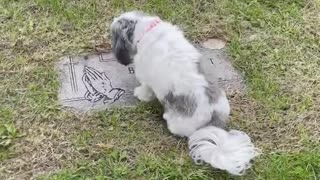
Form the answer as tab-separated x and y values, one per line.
98	81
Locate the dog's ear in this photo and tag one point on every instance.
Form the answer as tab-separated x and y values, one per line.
122	40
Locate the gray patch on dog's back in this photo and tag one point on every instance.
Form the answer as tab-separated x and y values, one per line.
216	121
213	92
200	70
183	104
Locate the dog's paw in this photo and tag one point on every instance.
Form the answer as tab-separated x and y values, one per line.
144	93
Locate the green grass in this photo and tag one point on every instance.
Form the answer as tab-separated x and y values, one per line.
275	44
293	166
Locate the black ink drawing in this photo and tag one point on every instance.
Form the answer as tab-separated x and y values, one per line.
99	86
106	58
211	60
131	70
72	75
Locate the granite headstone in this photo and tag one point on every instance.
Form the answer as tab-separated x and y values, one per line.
98	81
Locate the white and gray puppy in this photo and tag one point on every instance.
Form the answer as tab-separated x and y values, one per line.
167	67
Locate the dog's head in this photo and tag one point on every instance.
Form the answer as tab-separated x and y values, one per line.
123	32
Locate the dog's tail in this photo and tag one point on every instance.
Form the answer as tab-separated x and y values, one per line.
231	151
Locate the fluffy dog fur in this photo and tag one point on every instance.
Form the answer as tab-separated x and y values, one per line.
167	67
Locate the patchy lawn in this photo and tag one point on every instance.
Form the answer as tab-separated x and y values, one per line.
276	44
